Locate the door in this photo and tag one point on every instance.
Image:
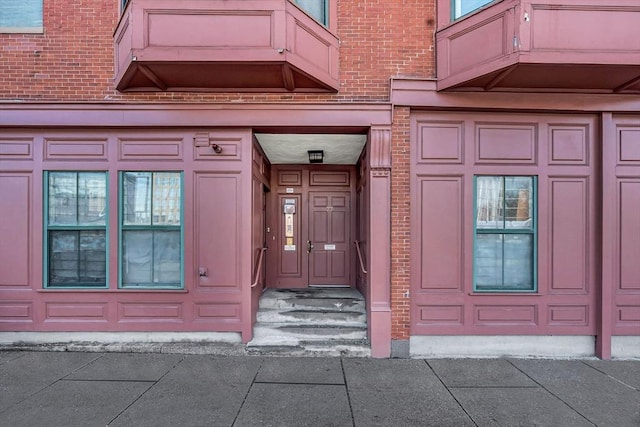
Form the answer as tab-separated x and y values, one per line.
312	224
328	246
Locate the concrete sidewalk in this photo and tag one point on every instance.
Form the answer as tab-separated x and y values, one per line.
136	389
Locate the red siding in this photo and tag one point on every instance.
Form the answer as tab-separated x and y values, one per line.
212	302
449	150
626	216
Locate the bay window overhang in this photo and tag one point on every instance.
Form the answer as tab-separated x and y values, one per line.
584	46
223	45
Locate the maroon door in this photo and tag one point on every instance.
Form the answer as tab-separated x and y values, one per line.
328	243
309	226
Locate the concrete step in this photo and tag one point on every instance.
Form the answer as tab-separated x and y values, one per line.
308	332
313	317
311	322
346	348
313	300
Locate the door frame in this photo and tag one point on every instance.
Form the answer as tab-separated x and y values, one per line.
295	182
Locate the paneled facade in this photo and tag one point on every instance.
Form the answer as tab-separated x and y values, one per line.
481	185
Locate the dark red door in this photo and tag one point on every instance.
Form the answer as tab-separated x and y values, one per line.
328	241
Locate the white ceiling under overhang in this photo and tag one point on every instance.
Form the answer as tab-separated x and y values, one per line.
339	149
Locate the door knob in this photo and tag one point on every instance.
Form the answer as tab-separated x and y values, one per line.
309	246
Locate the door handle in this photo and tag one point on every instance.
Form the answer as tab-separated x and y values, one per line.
309	246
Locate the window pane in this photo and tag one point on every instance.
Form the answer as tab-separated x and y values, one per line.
518	261
63	198
137	198
462	7
137	257
519	202
166	258
21	13
315	8
489	202
77	258
166	198
488	261
92	199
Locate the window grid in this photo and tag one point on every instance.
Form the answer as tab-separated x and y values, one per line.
151	232
483	231
76	247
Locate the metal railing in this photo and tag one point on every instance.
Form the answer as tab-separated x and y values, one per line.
360	256
259	267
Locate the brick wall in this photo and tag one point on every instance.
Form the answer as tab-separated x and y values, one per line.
400	224
73	59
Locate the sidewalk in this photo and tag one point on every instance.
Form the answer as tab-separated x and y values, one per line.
134	389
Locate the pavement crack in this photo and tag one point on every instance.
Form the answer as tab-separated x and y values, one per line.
151	384
609	376
551	393
452	395
346	387
63	378
246	395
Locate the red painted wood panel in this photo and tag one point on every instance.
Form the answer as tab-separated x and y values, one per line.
12	312
211	28
626	214
214	311
71	148
73	311
141	311
569	145
217	239
629	234
569	234
559	151
441	142
507	315
506	143
563	315
151	148
16	148
16	229
441	233
449	315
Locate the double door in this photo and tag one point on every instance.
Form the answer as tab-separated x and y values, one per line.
310	226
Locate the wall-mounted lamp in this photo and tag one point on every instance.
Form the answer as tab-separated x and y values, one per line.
216	148
316	156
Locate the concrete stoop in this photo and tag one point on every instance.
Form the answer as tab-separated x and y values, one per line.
311	322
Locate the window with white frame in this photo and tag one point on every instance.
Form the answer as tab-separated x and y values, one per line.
21	16
504	253
151	230
75	238
462	7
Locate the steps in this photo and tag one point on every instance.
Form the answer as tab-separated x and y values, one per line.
311	322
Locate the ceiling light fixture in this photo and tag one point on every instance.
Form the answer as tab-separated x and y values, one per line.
316	156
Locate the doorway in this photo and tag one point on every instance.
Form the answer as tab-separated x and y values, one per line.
310	225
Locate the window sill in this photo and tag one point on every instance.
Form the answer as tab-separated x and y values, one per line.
21	30
503	293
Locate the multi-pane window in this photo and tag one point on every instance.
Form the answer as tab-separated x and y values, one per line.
505	233
151	230
75	235
318	9
21	16
462	7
